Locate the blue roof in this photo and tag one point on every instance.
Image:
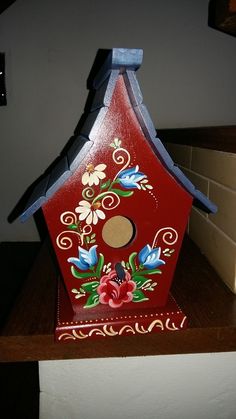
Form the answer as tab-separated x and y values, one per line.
118	61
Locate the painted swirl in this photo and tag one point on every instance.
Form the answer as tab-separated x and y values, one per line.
110	201
121	156
168	235
88	193
63	241
67	218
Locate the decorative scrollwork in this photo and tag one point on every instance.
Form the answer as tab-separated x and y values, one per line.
67	218
113	202
64	242
169	236
88	193
156	323
119	158
107	330
171	326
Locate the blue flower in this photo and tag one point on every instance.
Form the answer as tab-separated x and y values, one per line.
86	259
129	178
150	258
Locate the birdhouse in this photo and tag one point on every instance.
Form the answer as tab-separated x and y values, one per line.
116	207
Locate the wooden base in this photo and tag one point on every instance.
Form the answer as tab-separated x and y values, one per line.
27	332
72	326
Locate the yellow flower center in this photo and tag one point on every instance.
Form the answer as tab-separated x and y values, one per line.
96	205
90	168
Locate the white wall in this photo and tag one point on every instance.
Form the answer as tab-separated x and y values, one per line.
165	387
187	77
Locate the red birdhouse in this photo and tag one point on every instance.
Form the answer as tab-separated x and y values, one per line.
116	208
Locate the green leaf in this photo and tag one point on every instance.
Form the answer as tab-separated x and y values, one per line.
151	287
92	301
92	241
139	280
93	235
87	238
72	227
139	296
90	286
106	184
99	265
79	275
131	261
117	142
148	272
125	194
74	290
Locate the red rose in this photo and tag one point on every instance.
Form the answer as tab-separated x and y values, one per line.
114	293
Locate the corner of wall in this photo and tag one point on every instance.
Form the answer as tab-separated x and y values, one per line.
213	173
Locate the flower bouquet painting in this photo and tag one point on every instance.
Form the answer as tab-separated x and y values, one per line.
100	282
116	286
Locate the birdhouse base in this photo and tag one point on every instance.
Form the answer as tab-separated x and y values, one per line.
82	325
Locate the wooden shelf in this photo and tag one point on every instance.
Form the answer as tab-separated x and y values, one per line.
27	333
220	138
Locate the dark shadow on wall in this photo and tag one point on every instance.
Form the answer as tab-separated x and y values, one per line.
22	202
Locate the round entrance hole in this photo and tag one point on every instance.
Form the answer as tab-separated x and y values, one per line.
118	231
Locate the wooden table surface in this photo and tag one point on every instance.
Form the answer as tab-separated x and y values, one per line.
27	332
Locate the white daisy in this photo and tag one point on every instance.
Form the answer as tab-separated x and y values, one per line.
90	213
93	175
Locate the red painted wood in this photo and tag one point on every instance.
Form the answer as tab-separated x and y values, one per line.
71	328
163	208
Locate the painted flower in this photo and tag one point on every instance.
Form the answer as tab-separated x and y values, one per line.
93	175
130	178
86	259
150	258
90	212
114	293
116	143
